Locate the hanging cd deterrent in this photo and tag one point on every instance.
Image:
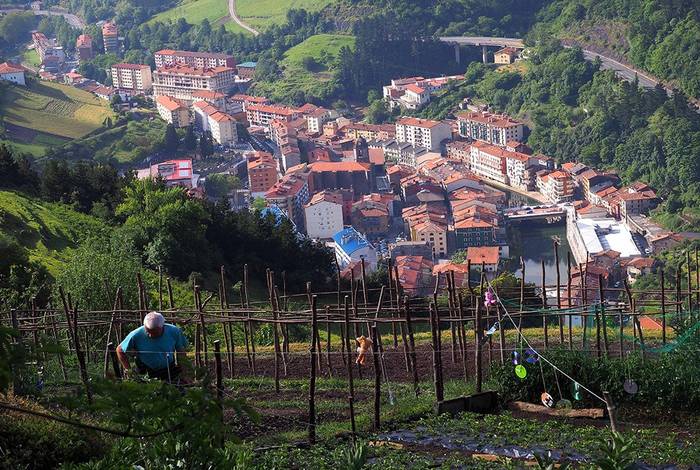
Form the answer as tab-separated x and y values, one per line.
547	400
564	404
493	329
520	371
516	358
631	387
531	356
576	391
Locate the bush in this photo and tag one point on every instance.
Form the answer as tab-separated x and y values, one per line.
670	380
36	443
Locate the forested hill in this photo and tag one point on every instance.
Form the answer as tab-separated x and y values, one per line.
660	36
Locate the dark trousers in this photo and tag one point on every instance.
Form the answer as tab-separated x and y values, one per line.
161	374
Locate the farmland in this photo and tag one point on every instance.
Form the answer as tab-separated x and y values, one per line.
263	13
195	11
54	109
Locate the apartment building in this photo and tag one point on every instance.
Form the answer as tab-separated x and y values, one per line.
173	111
290	194
342	175
317	118
459	150
495	129
172	172
350	246
84	47
110	37
324	215
13	73
488	161
199	60
369	132
423	132
238	102
47	49
262	173
556	186
263	114
433	233
182	81
221	125
133	79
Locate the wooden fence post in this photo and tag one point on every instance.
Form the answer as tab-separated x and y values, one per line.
602	314
412	345
351	390
561	318
437	366
377	379
312	374
663	305
477	343
115	362
544	307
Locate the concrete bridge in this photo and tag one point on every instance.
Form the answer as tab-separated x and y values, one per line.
482	41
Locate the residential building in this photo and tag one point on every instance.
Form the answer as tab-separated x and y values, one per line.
290	194
507	55
342	175
173	111
198	60
324	215
214	98
488	161
410	248
474	231
371	217
459	150
369	132
13	73
182	81
402	153
132	78
433	233
350	246
221	125
415	274
262	173
486	255
495	129
173	173
239	101
414	92
422	132
264	114
594	181
50	54
110	37
317	118
556	186
247	69
84	47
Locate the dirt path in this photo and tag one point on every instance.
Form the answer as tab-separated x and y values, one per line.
238	20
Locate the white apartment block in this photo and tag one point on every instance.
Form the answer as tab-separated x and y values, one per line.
517	170
173	111
317	118
221	125
198	60
497	129
132	77
324	215
423	132
182	81
556	186
488	162
264	114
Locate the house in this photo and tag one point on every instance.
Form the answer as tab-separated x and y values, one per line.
414	92
434	233
371	217
247	69
173	111
290	194
422	132
637	267
317	118
262	173
324	215
221	125
342	175
84	47
507	55
351	246
12	73
72	78
173	173
556	186
486	255
415	274
496	129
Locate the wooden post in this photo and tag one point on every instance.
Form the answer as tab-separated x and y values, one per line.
602	314
377	379
679	296
328	341
477	343
203	325
171	300
663	305
219	376
160	288
351	390
16	379
544	306
437	368
611	411
412	344
561	318
61	362
690	283
312	374
460	304
226	326
275	332
115	363
398	301
584	303
697	282
635	318
522	290
110	329
249	323
451	311
81	355
569	303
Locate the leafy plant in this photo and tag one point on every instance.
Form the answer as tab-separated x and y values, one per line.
355	456
616	453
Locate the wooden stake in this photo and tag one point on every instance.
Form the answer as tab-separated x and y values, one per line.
377	379
312	374
160	288
171	300
437	366
460	304
561	318
351	390
569	300
412	345
602	314
663	305
544	306
611	411
115	363
477	344
219	374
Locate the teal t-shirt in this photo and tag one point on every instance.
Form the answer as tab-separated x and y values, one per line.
155	353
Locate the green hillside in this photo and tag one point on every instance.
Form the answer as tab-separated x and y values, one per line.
263	13
49	231
195	11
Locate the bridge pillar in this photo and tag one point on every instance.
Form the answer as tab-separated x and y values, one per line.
484	54
457	57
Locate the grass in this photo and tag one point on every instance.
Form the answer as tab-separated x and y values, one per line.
37	145
52	108
49	231
31	58
263	13
196	11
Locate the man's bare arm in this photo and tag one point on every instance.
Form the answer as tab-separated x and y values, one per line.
123	358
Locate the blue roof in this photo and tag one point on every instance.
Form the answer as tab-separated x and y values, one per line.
275	211
350	240
248	64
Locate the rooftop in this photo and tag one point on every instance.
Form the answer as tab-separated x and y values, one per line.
483	254
123	65
607	234
180	69
497	120
350	240
208	55
416	122
9	67
320	167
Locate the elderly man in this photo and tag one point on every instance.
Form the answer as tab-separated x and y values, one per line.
155	345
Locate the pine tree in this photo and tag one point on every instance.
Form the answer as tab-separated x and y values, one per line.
190	139
171	139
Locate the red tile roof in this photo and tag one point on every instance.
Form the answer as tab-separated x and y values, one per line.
485	254
9	67
416	122
320	167
496	120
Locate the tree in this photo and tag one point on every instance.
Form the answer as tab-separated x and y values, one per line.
171	140
190	139
16	26
220	185
206	144
377	112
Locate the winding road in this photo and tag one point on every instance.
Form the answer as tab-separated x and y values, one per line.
74	20
236	19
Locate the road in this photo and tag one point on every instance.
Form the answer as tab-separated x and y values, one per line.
74	20
483	41
238	20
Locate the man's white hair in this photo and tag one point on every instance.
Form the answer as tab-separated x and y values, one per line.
154	320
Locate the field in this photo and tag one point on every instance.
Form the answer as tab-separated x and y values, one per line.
54	109
49	231
313	79
263	13
195	11
30	58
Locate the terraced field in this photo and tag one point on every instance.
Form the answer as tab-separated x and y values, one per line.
54	109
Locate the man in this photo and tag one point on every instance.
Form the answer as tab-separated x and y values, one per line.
155	345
